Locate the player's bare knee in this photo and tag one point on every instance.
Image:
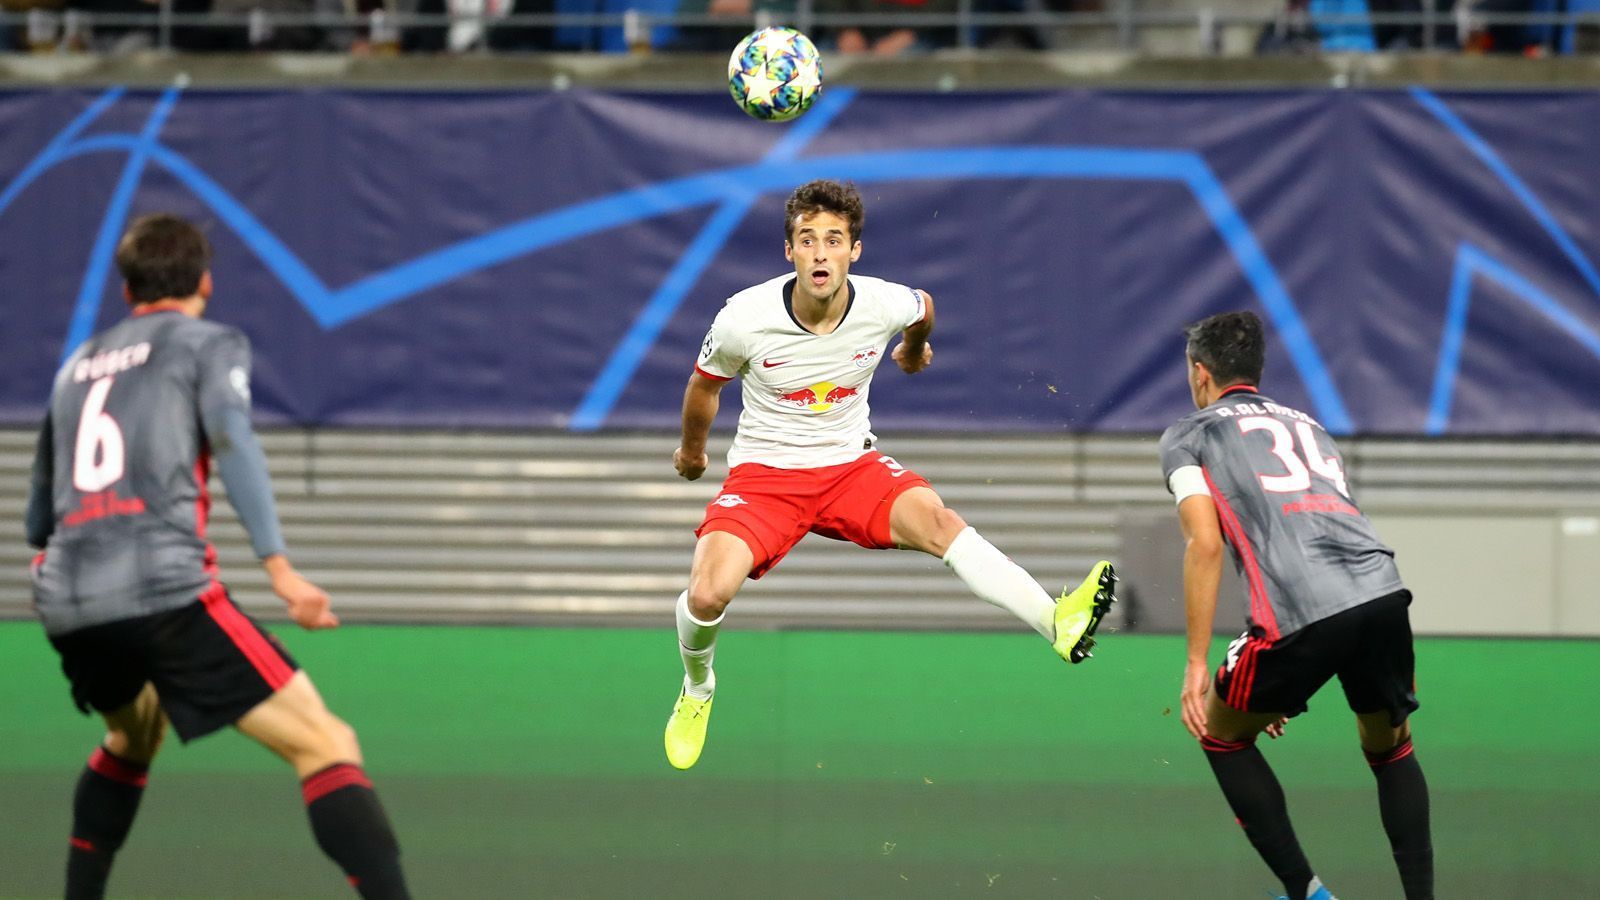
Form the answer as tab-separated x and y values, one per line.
342	739
1378	735
135	732
139	743
706	604
924	523
947	523
327	740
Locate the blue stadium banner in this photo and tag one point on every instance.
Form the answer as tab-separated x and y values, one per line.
1425	261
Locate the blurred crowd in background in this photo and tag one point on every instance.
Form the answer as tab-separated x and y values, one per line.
1525	27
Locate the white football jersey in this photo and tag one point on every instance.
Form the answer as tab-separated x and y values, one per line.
805	395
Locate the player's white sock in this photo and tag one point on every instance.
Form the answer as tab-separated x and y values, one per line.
994	577
697	642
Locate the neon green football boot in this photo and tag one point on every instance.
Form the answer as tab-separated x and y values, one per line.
686	730
1078	613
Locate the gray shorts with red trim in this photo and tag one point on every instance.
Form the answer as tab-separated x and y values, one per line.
1367	647
210	663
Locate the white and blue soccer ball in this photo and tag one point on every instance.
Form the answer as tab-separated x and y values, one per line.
775	74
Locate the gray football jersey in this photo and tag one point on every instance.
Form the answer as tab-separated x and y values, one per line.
1299	540
129	467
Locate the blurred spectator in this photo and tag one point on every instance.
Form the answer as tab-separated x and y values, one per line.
265	27
1346	35
638	36
467	29
92	32
48	16
1581	38
888	40
1298	30
742	18
1518	38
525	38
1291	33
1414	36
377	33
1545	39
1025	37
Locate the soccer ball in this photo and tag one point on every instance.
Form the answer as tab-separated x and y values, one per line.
775	74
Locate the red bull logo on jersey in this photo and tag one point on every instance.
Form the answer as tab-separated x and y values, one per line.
819	397
863	358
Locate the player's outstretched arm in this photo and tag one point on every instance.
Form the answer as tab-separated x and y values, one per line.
308	604
1202	573
243	467
701	400
224	403
914	353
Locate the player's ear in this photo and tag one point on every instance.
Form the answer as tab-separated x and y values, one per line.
788	251
855	251
127	293
1199	381
206	285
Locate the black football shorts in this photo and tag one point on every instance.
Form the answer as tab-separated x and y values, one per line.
1367	647
210	663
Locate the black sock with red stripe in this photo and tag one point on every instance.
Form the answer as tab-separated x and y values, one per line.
1257	801
1403	801
351	827
103	807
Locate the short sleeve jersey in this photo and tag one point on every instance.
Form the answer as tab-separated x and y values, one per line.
805	394
1303	546
131	466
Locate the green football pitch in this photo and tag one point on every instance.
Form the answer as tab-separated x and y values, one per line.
523	762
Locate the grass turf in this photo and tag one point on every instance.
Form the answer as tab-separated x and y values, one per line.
522	762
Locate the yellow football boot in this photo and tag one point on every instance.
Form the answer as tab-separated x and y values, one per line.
686	730
1078	613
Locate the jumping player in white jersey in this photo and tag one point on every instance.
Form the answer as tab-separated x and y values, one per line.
1325	600
804	459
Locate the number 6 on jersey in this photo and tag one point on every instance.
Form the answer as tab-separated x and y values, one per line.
97	459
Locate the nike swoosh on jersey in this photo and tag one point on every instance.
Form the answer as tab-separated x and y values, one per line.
768	364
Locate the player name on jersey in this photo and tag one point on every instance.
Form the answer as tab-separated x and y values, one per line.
1264	408
111	362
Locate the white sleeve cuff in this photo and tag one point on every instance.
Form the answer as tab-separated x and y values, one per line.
1186	482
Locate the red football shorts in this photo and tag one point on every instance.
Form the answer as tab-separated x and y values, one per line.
771	509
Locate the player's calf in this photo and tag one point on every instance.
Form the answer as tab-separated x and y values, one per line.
1403	805
103	808
351	827
346	818
109	792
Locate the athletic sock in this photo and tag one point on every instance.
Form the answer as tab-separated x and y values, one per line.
1257	801
352	829
697	643
995	578
1403	802
103	807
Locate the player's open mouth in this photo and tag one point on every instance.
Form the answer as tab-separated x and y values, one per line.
819	277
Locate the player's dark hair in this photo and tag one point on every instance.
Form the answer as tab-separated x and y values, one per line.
162	256
840	198
1231	346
